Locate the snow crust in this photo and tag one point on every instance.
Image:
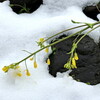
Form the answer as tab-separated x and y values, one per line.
20	32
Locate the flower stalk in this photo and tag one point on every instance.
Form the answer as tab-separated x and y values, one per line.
73	55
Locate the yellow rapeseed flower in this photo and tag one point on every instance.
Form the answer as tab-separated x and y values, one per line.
35	64
76	56
47	50
19	74
41	39
67	65
27	72
75	66
73	62
17	67
48	61
5	68
72	66
31	59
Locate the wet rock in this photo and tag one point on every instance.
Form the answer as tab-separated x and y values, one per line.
88	70
92	11
30	5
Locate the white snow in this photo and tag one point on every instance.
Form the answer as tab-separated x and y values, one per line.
20	32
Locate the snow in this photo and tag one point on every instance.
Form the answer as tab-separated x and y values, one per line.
98	16
20	32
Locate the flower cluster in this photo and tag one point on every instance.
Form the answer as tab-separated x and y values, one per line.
71	63
11	66
16	69
41	44
73	58
34	61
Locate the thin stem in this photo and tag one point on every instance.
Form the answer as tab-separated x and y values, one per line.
16	5
23	7
71	57
97	8
63	39
69	30
87	33
63	31
98	22
26	64
27	51
52	44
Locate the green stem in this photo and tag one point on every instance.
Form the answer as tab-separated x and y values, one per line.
51	45
71	58
73	49
16	5
23	7
27	51
63	31
26	64
87	34
69	30
63	39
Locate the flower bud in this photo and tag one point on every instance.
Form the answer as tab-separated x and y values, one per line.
31	59
35	64
48	61
5	68
41	39
73	62
19	74
27	72
47	50
76	56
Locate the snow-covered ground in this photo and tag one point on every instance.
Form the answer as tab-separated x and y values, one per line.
20	32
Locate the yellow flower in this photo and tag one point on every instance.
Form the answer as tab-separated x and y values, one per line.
5	68
76	56
27	72
47	50
72	66
48	61
19	74
41	39
75	66
35	64
73	62
31	59
17	67
67	65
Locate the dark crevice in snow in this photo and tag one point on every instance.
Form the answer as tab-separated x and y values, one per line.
24	6
2	0
92	11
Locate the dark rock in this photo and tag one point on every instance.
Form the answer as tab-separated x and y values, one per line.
92	11
2	0
59	56
30	5
88	70
88	74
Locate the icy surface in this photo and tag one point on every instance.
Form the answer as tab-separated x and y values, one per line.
20	32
